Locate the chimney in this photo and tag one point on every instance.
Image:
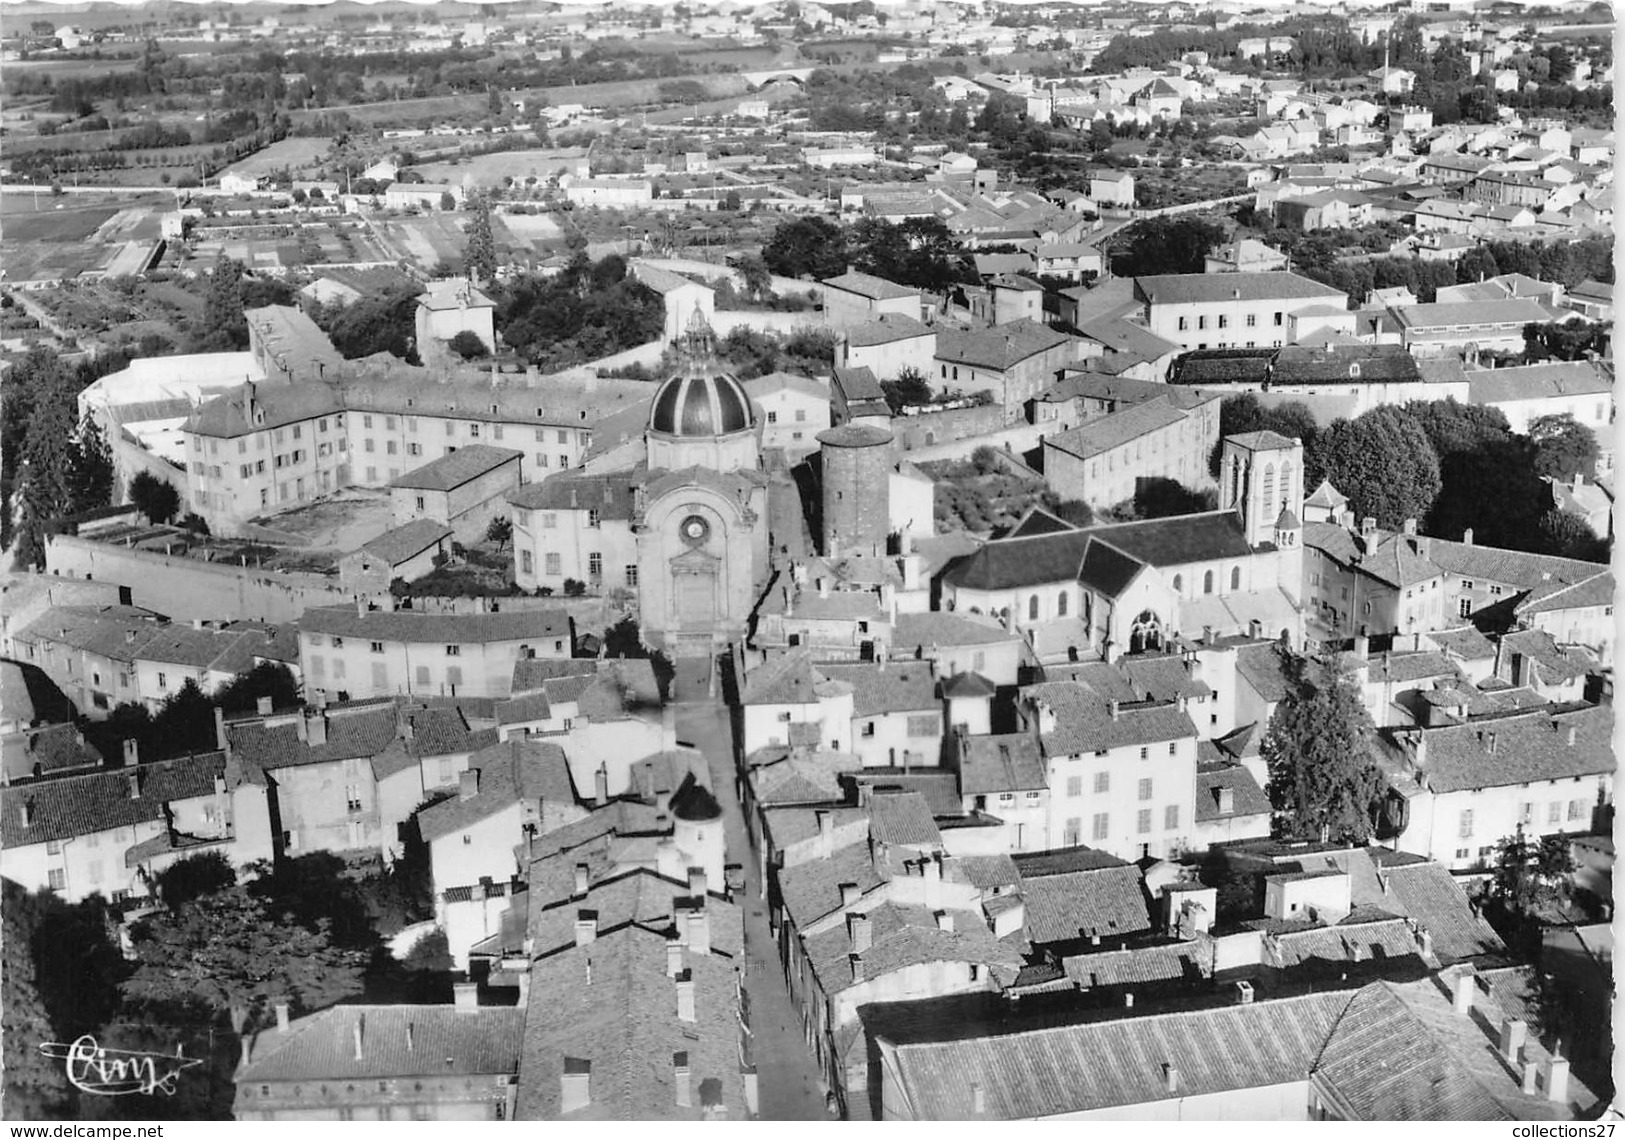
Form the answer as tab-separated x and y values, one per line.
696	882
1114	708
135	784
360	1025
826	833
264	706
850	894
316	729
823	586
586	927
680	1080
674	958
1465	982
1227	801
1128	999
978	1099
281	1008
685	996
581	880
468	784
945	921
1531	1075
1170	1077
856	961
1572	734
220	728
1244	993
1489	743
1467	537
465	995
1557	1079
132	754
1410	527
1368	526
1513	1032
699	931
1362	647
411	1036
932	870
600	789
860	932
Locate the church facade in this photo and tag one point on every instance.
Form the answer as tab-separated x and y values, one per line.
684	527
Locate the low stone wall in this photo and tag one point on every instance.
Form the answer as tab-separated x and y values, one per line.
930	429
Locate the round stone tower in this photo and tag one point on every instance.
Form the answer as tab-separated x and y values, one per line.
857	463
697	830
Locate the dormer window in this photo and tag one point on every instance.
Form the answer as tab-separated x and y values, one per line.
1354	372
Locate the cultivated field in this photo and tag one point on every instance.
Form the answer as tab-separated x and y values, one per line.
491	169
295	154
277	246
65	236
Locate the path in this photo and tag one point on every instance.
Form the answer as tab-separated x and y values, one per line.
787	1077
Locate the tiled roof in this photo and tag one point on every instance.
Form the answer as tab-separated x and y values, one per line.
813	889
1377	363
1264	668
870	286
461	466
530	674
47	750
224	417
352	734
1555	663
786	826
622	1028
1084	722
1248	799
440	732
986	872
640	896
892	687
1066	906
905	935
889	328
1099	1065
787	679
1386	939
70	806
1106	433
408	540
1008	763
1386	1066
612	496
1597	590
1139	966
1519	749
999	348
802	776
940	788
902	819
944	629
1515	311
396	1041
1465	642
1209	288
445	629
520	771
1163	678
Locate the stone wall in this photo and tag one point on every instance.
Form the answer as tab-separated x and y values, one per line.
930	429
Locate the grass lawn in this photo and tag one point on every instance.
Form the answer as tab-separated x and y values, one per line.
24	224
293	153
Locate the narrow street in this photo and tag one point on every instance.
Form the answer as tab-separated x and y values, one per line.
786	1074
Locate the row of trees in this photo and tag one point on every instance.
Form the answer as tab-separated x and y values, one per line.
1450	466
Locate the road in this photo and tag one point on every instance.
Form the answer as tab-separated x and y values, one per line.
788	1083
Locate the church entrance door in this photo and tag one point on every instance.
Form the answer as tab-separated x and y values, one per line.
696	602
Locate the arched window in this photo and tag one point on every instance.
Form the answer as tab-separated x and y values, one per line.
1235	482
1235	578
1286	483
1032	608
1179	583
1267	499
1207	582
1060	605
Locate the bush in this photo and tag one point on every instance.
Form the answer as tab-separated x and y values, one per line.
574	587
468	345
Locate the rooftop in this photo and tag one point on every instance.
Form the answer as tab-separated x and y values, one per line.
464	465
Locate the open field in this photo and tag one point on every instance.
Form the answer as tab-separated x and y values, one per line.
294	153
491	169
21	222
425	240
285	245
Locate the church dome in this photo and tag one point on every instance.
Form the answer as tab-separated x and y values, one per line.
701	399
695	403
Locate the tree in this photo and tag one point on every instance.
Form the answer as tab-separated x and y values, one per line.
1322	778
447	201
480	255
193	877
806	247
1530	885
910	389
1563	447
47	474
1383	462
224	327
1167	245
468	345
754	273
154	497
1157	498
499	531
185	721
34	1089
92	476
267	679
228	951
1566	534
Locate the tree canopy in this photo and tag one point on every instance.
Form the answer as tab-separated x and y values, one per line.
1563	447
480	255
1322	778
806	247
591	310
1383	462
1167	245
224	327
154	497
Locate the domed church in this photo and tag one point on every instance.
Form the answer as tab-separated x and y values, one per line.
684	524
